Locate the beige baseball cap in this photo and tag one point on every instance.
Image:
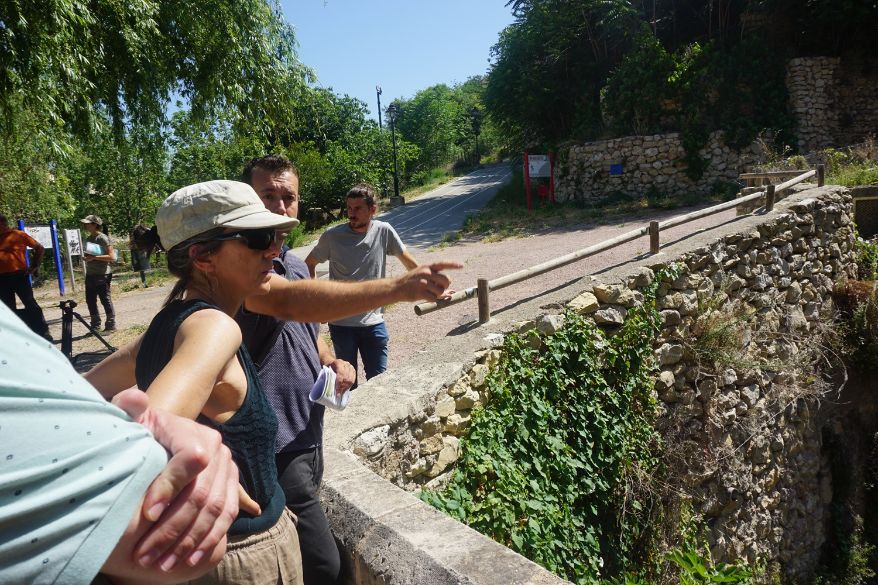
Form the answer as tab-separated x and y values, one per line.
202	207
92	219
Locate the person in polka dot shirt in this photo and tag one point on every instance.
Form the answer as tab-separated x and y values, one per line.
81	483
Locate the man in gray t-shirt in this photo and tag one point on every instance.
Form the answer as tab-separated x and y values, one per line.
358	251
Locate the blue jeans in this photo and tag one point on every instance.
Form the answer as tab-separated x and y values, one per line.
370	342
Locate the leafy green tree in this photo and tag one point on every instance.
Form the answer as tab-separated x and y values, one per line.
121	179
62	58
646	70
31	185
550	64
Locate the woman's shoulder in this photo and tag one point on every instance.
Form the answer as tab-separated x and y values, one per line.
204	319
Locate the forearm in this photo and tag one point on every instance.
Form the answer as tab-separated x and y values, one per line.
115	373
325	300
324	352
408	261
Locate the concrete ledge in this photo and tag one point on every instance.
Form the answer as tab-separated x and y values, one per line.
389	534
393	537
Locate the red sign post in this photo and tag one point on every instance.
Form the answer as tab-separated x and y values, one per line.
536	166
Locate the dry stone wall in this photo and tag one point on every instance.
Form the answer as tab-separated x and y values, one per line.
736	386
636	165
833	101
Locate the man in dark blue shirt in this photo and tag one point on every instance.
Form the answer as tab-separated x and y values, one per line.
289	356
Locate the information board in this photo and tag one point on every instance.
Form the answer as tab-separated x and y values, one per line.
74	244
538	166
41	233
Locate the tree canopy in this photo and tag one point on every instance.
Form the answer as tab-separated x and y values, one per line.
581	69
69	61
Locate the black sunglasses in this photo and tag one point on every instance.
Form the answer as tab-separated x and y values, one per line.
259	239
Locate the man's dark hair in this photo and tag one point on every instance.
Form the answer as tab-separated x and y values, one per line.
363	191
273	163
3	219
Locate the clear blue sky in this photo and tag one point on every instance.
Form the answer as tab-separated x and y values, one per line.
403	45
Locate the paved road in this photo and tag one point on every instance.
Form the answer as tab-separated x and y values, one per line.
423	223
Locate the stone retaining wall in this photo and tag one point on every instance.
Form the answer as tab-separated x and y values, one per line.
833	101
636	165
745	435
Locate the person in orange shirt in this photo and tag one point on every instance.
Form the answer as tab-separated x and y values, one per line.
14	272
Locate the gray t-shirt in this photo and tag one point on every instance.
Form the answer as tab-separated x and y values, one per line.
358	257
96	266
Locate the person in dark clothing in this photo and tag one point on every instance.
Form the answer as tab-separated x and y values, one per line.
289	356
14	274
139	256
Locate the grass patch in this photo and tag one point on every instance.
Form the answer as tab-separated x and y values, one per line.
129	281
852	166
855	175
448	238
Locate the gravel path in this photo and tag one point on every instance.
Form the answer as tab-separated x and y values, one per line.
410	334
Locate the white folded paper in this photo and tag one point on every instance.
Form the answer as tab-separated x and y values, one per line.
323	391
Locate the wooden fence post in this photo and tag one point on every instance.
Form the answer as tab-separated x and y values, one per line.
484	302
821	175
653	237
769	198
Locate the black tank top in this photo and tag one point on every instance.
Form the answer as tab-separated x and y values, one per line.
249	433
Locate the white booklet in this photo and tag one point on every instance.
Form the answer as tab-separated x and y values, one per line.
323	391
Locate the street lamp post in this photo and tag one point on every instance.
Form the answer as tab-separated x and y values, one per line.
392	111
476	119
378	94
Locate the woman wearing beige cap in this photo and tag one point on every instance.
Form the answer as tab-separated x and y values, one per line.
220	241
99	257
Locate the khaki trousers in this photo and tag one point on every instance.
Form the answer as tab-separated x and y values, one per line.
270	557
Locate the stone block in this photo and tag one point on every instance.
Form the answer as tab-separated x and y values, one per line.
372	442
478	375
584	304
445	406
615	294
457	423
447	455
669	353
549	324
431	445
468	400
431	426
610	316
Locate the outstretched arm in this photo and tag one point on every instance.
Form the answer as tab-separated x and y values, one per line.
326	300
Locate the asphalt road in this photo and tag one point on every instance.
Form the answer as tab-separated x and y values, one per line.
423	222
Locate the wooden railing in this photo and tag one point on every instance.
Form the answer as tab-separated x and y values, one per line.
484	286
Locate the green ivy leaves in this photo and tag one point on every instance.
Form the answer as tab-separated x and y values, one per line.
548	468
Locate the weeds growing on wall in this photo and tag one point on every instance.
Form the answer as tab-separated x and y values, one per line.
558	466
858	302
